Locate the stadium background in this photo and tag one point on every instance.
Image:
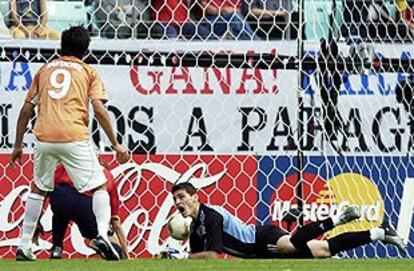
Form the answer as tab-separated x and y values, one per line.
233	133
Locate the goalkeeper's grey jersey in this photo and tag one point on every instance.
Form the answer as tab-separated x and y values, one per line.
216	229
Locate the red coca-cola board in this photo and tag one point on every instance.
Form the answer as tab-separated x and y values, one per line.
146	203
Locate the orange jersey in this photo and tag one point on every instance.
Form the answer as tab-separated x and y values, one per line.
62	89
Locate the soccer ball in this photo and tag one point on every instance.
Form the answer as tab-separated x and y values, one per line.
179	227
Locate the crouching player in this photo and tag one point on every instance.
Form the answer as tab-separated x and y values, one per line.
214	231
68	204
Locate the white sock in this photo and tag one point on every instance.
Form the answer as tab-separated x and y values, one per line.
34	205
335	219
377	234
102	210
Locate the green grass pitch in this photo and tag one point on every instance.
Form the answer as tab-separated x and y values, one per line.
206	265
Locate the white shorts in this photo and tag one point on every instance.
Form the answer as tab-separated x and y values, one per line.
79	159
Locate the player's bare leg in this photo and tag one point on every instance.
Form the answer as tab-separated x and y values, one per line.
319	249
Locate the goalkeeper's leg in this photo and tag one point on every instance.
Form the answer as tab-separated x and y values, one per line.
313	230
328	248
386	234
343	242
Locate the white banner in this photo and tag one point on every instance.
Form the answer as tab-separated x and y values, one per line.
229	111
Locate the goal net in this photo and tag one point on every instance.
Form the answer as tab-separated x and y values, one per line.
281	111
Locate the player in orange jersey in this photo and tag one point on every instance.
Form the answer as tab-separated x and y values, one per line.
62	91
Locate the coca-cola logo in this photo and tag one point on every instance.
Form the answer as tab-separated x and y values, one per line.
169	175
146	203
138	219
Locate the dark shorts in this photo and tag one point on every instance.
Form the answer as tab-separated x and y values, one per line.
266	239
69	205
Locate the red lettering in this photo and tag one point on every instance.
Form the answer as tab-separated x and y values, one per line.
247	76
206	77
156	85
275	88
156	78
257	77
224	82
180	81
184	76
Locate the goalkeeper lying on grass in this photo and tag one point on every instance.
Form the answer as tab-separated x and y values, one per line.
214	231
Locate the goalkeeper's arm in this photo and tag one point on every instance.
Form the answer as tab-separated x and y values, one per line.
174	253
204	255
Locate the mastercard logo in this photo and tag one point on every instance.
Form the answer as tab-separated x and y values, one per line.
324	198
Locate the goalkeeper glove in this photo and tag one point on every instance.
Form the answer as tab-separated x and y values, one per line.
401	5
173	253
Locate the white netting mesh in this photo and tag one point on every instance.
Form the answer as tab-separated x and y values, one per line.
210	91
